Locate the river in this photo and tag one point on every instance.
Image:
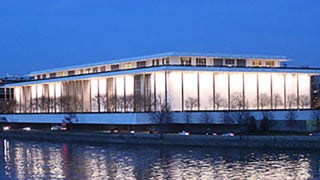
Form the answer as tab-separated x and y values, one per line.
46	160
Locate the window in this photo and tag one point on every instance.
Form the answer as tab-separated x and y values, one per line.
52	75
88	70
155	62
270	63
70	73
141	64
165	61
186	61
201	61
95	70
102	69
38	76
60	74
241	62
114	67
127	65
44	76
218	62
229	62
256	63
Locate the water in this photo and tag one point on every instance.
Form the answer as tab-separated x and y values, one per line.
44	160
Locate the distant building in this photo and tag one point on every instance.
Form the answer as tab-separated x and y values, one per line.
188	82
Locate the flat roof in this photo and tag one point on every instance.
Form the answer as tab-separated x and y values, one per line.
309	71
160	55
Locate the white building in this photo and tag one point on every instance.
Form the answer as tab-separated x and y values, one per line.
196	82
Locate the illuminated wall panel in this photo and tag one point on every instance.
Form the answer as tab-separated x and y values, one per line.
160	84
17	97
174	90
278	91
190	87
94	95
221	90
264	90
304	91
291	91
236	84
129	84
250	88
206	90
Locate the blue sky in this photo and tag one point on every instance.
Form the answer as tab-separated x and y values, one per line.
39	34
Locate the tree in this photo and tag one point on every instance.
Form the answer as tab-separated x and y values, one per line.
264	100
43	103
241	116
316	118
304	101
218	101
265	122
277	100
191	103
161	114
291	101
291	117
227	118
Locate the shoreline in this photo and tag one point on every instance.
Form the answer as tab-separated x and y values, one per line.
243	141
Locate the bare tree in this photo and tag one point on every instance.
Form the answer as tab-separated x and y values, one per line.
265	122
264	100
291	117
236	101
162	114
316	118
43	104
111	102
304	101
277	100
291	101
227	118
191	103
206	118
218	101
241	116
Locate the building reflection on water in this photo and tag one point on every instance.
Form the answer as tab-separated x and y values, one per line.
42	160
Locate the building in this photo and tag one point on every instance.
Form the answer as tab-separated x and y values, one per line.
123	91
7	93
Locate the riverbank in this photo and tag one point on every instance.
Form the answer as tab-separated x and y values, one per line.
250	141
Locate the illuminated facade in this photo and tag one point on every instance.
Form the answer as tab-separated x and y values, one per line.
186	81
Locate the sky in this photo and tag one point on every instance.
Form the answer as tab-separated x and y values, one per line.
38	35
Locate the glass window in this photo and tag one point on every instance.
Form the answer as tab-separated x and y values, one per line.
102	69
229	62
44	76
127	65
218	62
155	62
60	74
70	73
141	64
38	76
88	70
165	61
95	70
270	63
201	61
186	61
52	75
114	67
241	62
256	63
